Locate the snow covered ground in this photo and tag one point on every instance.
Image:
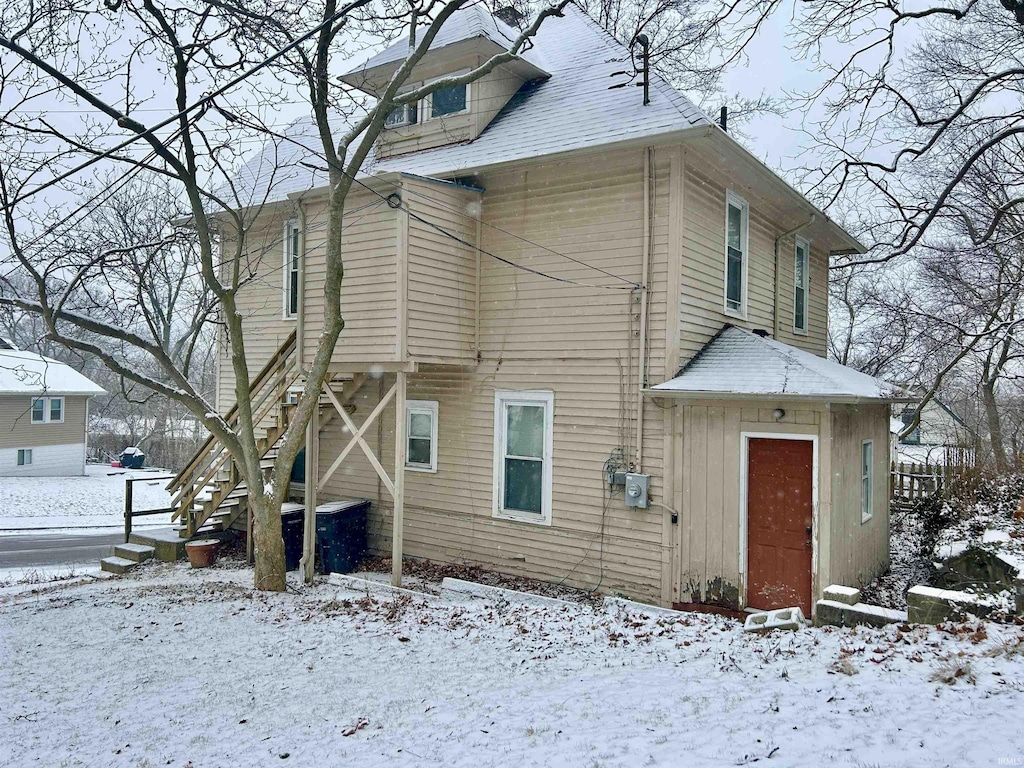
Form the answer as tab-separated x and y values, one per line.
94	500
192	668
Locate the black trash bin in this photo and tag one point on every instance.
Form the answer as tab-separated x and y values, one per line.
292	527
341	534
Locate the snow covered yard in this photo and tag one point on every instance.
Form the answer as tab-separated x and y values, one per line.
93	500
191	668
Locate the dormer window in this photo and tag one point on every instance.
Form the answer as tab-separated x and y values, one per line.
448	101
403	115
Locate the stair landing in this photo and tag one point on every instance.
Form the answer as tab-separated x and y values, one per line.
167	543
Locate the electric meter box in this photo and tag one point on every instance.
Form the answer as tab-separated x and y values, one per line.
636	490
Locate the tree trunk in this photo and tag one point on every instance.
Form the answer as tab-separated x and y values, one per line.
995	429
270	565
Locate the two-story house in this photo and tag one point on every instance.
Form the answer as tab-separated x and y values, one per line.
549	284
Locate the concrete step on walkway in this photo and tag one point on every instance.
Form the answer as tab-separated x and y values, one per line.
117	564
167	544
135	552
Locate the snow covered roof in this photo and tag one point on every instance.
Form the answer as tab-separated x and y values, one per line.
573	109
26	373
740	362
468	23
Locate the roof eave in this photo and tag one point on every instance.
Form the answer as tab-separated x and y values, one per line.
728	143
819	398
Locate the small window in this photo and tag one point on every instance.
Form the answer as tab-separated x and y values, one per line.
522	451
867	457
736	225
24	457
291	269
421	435
448	101
399	116
47	410
801	285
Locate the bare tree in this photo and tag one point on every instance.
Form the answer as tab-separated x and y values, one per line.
222	64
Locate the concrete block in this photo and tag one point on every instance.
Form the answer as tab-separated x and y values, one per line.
135	552
838	614
840	594
928	605
783	618
117	564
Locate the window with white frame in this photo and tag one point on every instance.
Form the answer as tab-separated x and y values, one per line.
24	457
523	430
452	100
801	284
405	114
47	410
867	457
291	269
421	435
737	214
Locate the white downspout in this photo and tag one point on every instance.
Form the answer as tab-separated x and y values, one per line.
644	297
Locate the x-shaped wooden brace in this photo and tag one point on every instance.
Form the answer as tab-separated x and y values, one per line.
357	438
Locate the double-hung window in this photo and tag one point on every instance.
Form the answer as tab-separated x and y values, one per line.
523	428
737	214
291	269
403	115
24	457
867	458
47	410
801	285
421	435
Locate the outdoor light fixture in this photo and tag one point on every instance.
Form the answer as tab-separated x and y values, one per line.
778	414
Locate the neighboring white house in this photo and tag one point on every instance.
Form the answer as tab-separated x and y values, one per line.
939	433
44	406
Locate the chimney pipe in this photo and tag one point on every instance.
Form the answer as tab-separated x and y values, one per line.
723	119
645	42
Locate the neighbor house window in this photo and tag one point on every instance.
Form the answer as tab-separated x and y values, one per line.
867	455
399	116
24	457
421	435
291	269
448	101
522	455
737	214
801	283
47	410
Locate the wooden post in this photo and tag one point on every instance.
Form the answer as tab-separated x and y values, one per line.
127	509
312	472
399	481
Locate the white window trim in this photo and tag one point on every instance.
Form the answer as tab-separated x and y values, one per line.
503	397
405	118
731	198
22	454
800	242
867	509
46	410
421	406
286	313
427	105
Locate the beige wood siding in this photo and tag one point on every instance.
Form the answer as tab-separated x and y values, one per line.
860	550
441	289
18	431
260	302
703	279
577	341
368	294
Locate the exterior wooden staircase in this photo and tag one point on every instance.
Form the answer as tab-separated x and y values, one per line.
208	494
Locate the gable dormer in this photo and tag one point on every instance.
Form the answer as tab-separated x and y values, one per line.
450	115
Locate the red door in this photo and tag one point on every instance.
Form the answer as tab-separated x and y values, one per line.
779	523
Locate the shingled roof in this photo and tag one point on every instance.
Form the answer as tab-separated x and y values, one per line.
27	373
739	362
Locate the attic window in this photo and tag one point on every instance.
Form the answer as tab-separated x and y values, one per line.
403	115
448	101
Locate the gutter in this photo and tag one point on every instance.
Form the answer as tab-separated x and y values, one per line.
676	394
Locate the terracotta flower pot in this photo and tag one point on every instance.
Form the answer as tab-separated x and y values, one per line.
202	553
